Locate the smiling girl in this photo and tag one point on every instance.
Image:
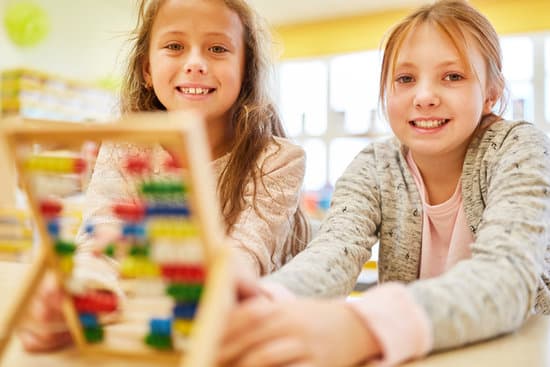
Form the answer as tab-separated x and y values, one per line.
210	56
459	200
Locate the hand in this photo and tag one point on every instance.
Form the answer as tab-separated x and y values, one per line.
45	328
298	333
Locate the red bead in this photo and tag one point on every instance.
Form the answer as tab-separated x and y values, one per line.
79	165
183	273
129	211
50	208
137	165
95	302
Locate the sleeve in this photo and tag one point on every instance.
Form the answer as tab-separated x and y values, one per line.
494	292
261	230
108	184
330	264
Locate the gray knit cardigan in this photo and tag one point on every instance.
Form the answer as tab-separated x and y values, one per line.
506	195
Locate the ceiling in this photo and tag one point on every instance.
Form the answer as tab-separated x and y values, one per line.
279	12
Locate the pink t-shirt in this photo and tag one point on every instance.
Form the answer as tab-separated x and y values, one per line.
446	238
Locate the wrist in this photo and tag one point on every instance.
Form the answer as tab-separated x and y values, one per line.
365	345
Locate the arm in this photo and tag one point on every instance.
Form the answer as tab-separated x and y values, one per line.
329	266
495	291
260	233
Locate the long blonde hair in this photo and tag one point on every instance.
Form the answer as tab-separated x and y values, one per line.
254	122
461	23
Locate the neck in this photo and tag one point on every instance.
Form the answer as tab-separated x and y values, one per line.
219	137
440	177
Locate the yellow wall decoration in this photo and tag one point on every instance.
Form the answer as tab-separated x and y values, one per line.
26	23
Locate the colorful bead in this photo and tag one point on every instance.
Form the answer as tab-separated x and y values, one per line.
185	310
182	326
161	342
56	164
179	273
161	188
50	208
184	292
137	165
138	267
88	320
53	228
96	301
93	334
168	210
129	211
160	326
64	247
66	264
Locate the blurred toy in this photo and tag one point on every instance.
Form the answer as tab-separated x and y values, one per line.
170	244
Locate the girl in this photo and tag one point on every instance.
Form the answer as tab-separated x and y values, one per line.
210	56
459	200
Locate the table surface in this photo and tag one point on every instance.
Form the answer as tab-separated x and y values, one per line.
529	346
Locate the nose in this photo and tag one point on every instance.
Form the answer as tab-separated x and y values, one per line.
195	64
426	96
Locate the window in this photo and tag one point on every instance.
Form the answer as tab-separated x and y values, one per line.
329	105
518	64
547	82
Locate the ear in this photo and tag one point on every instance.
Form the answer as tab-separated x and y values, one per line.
146	72
490	100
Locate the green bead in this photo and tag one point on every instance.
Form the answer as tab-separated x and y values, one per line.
159	341
185	292
93	334
64	247
109	250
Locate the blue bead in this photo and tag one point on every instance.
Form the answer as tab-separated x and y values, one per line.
88	320
161	326
53	228
185	310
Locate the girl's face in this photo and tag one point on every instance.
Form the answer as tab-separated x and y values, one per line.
434	102
196	58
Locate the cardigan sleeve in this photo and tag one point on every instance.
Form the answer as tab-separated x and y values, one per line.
495	291
264	226
331	262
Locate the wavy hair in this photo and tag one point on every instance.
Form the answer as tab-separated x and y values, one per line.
254	118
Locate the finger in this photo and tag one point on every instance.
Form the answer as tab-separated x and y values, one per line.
255	333
279	352
33	342
245	316
247	289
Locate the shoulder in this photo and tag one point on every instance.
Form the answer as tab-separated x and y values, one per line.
281	152
504	131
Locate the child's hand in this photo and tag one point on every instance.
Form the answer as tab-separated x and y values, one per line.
296	333
44	328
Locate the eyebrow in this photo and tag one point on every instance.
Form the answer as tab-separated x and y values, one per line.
208	34
408	64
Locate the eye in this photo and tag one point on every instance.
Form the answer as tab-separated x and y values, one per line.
453	77
404	79
218	49
174	47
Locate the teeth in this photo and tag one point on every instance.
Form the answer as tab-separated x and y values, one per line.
429	124
195	91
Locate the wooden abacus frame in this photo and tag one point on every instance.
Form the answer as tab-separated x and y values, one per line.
182	132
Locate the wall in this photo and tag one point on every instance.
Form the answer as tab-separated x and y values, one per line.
86	40
365	32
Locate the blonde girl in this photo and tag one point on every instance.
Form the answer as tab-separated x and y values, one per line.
459	200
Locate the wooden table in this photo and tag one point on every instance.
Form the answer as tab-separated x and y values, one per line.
529	347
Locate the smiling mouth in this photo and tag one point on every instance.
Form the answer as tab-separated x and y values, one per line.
195	91
429	124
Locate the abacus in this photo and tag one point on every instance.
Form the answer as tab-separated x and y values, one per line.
170	247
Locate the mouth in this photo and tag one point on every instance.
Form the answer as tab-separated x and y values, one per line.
429	124
195	91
